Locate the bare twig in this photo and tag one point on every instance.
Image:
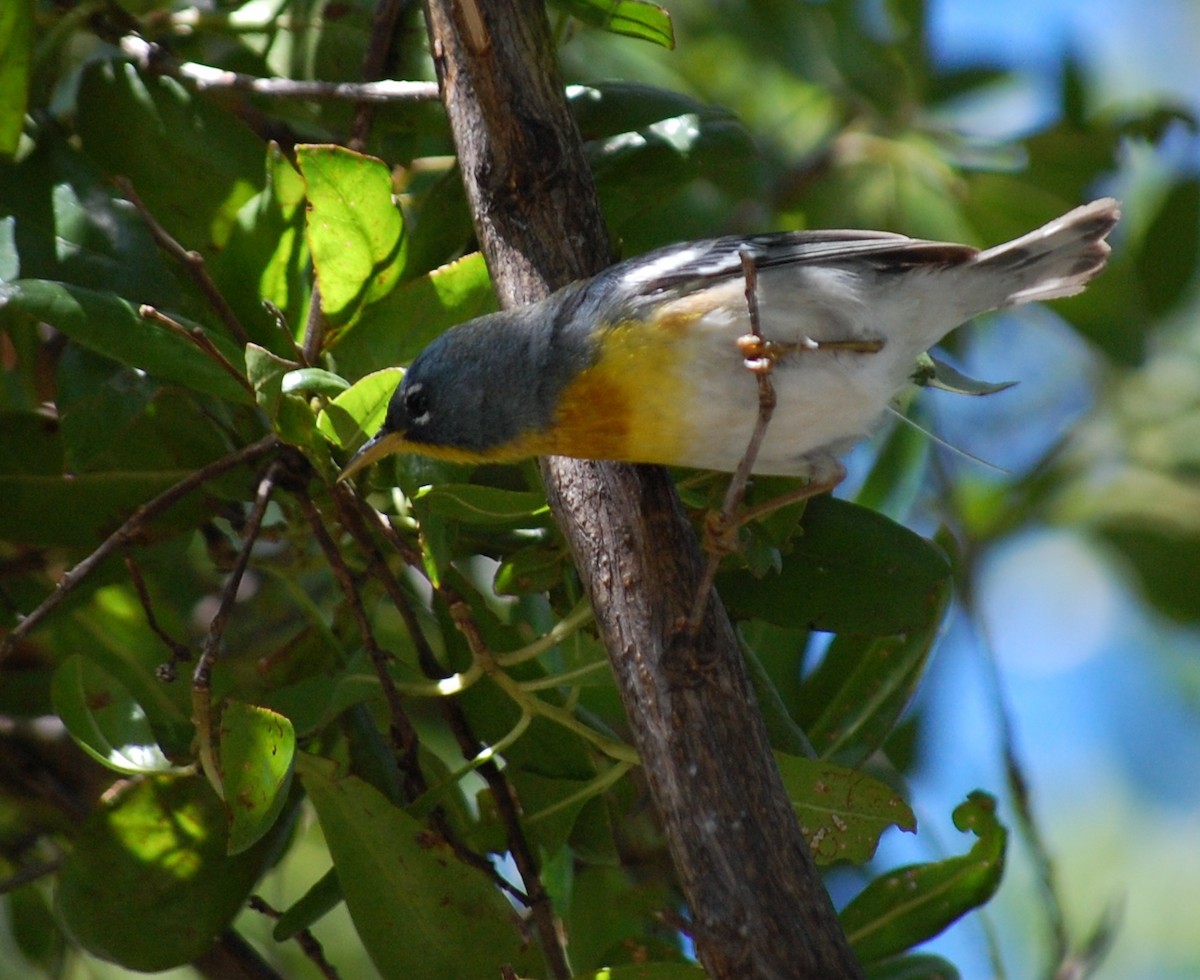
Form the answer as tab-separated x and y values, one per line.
198	337
129	532
192	261
202	676
204	78
179	651
403	736
308	943
383	28
540	906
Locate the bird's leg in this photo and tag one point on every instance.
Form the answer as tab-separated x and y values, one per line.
720	527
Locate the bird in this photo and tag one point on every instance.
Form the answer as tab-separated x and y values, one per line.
646	362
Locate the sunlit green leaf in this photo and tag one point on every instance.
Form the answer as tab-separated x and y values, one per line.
355	229
257	750
104	719
633	18
358	413
16	43
148	883
394	330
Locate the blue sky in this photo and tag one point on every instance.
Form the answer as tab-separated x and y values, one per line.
1101	725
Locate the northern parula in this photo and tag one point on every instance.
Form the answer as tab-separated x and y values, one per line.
642	362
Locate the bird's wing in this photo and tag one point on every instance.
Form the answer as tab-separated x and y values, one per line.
683	267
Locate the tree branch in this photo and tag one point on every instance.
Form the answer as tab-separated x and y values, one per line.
757	902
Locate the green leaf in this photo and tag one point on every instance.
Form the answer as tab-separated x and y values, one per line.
531	570
1167	261
398	327
920	966
850	571
842	812
314	381
148	883
645	146
265	372
111	326
266	258
324	895
632	18
104	719
99	403
44	505
257	750
193	163
355	230
16	45
69	227
358	413
863	685
915	903
932	372
418	910
489	506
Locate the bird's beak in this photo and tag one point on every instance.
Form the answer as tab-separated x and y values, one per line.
384	444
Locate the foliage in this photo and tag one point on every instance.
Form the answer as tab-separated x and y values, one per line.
411	664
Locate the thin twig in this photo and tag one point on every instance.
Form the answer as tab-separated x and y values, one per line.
308	943
179	651
200	339
726	520
202	676
383	28
192	261
204	78
128	532
353	513
540	907
404	739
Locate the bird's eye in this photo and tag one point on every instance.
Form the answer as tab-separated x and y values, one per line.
416	404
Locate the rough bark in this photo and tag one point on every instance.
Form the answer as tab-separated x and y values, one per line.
758	905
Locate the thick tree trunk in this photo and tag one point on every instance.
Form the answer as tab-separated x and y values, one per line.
759	907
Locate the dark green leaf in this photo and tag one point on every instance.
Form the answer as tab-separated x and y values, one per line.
863	686
920	966
111	326
148	883
418	909
915	903
851	571
193	163
43	505
842	812
530	571
1167	260
314	381
322	897
69	227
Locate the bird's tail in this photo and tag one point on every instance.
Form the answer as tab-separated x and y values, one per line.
1059	259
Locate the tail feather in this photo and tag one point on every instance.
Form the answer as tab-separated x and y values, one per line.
1059	259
